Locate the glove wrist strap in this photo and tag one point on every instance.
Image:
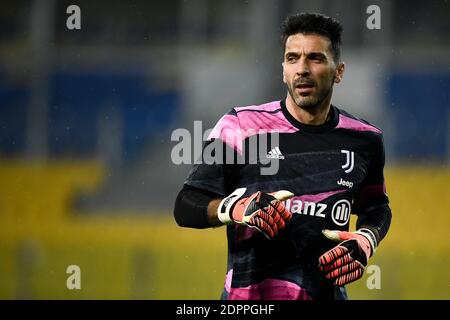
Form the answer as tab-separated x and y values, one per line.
226	205
367	233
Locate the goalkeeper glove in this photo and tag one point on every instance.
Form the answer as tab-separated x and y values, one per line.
262	211
345	263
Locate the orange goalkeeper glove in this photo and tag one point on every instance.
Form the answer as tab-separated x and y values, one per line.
346	262
263	211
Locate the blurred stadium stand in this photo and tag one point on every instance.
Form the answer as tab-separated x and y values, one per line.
86	117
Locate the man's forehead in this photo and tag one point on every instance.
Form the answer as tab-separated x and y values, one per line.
310	42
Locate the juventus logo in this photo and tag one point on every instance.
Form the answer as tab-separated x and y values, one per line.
348	166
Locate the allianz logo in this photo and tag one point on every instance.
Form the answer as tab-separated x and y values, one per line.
345	183
298	206
340	211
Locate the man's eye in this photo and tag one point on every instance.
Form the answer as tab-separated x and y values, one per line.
317	58
291	59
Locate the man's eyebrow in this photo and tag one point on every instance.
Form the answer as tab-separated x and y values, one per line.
317	54
310	54
289	53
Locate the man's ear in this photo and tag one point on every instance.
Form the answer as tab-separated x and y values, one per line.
284	76
339	73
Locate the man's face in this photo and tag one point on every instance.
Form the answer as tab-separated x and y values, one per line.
309	70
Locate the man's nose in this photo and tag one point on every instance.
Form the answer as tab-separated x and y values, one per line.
303	68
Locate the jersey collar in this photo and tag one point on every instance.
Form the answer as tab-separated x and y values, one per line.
330	124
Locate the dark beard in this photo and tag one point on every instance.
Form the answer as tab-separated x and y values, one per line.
313	105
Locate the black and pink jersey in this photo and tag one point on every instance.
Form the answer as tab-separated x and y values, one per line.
334	170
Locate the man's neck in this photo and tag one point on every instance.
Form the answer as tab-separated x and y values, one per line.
316	116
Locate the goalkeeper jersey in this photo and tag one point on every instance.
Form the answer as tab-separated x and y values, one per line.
334	170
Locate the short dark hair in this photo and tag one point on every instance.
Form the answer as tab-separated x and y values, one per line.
313	23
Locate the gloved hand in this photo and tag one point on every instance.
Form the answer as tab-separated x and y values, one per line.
346	262
263	211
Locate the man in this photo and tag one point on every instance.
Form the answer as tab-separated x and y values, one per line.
288	232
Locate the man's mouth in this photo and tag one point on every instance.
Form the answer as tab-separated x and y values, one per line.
304	87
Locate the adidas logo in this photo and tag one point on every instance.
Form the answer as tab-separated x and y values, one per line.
275	153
